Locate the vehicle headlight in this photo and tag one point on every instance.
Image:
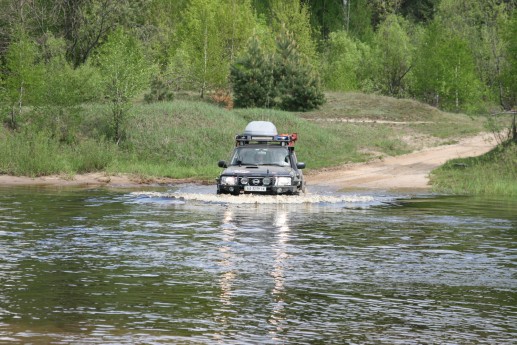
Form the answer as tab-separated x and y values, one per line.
283	181
229	180
244	180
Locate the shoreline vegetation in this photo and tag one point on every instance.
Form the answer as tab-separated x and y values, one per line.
182	140
494	173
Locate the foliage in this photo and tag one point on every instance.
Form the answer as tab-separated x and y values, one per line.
160	90
196	41
293	16
493	173
65	85
344	62
509	75
394	54
252	78
297	84
285	80
92	23
212	34
125	73
444	71
23	77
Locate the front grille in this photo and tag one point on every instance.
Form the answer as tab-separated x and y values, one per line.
256	181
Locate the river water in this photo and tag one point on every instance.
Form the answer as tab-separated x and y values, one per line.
184	266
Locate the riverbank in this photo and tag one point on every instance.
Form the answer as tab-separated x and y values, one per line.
93	180
181	141
406	172
494	173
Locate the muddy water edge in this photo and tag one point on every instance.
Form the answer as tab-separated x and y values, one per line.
181	265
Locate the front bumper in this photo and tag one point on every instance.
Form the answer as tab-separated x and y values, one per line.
271	190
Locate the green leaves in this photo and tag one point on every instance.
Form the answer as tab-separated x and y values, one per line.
444	71
344	59
395	55
284	80
125	73
212	34
252	78
23	82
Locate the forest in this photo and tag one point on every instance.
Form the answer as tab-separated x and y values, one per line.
56	56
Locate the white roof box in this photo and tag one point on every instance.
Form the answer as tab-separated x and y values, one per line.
260	128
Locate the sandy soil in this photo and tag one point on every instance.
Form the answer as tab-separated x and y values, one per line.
89	180
392	173
406	172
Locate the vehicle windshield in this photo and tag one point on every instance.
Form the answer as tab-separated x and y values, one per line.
261	156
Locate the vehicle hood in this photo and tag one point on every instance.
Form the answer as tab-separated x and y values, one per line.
258	170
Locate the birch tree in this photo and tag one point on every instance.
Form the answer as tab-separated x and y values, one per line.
125	72
22	76
213	33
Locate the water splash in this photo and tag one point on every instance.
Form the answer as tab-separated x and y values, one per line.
259	199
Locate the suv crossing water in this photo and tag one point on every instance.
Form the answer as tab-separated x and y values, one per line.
263	162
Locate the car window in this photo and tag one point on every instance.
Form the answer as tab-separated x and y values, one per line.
261	156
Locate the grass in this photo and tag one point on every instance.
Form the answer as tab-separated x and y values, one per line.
408	116
494	173
185	138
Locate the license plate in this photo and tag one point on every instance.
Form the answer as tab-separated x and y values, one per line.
254	188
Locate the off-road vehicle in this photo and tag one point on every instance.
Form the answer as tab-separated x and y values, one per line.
263	162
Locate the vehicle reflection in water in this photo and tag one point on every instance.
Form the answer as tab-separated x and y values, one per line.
278	316
226	262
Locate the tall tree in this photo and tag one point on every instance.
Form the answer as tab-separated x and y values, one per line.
164	18
22	76
444	71
252	78
298	85
490	53
509	71
343	60
395	51
419	11
125	72
212	34
295	17
328	16
284	80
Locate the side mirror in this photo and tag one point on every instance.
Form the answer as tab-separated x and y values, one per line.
222	164
300	165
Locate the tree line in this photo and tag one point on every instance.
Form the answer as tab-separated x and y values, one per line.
56	54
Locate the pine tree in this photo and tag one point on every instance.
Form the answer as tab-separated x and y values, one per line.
285	81
251	78
298	86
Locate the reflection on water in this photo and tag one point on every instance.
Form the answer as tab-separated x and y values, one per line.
108	267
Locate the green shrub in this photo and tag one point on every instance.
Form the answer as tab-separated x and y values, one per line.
285	80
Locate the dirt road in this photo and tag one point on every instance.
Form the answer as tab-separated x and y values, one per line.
406	172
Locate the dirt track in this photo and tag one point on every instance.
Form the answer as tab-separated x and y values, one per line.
406	172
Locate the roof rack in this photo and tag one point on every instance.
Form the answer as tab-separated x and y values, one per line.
281	139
